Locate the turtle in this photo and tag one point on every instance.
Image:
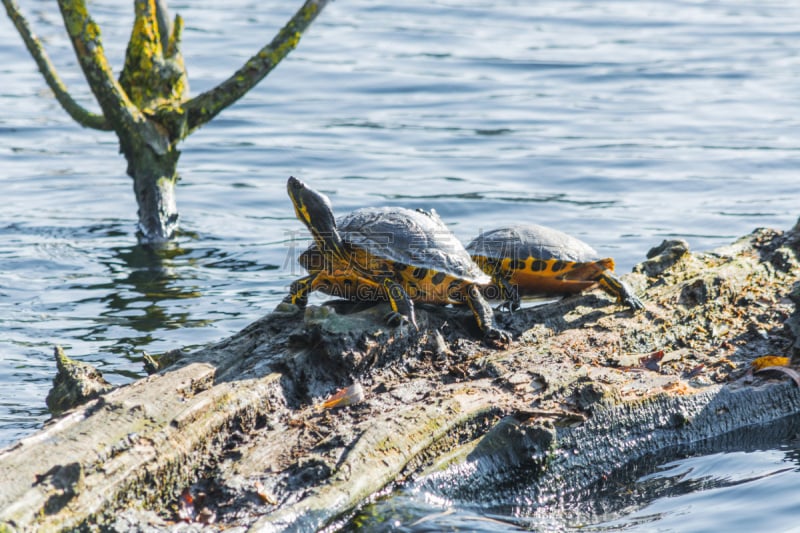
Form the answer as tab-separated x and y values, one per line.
387	253
529	259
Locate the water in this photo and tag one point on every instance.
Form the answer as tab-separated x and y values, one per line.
621	122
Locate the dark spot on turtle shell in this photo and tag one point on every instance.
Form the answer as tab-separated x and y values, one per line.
454	289
413	291
438	278
538	265
420	272
559	265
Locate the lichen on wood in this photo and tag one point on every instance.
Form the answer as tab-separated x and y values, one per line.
154	74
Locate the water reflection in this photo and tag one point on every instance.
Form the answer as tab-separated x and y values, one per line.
146	288
137	296
91	290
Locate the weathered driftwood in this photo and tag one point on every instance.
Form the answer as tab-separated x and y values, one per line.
75	383
585	388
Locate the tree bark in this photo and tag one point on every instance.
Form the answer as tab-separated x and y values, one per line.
587	388
154	178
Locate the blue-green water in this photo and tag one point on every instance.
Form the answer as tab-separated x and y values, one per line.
621	122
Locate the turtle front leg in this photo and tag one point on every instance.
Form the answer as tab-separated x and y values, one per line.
484	316
402	305
619	290
298	292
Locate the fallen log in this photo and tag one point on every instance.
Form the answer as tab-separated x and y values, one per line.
236	434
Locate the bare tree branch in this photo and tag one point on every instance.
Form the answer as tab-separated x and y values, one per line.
81	115
206	106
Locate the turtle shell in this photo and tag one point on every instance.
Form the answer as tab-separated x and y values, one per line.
413	238
528	259
524	241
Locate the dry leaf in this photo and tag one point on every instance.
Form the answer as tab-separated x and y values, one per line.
348	396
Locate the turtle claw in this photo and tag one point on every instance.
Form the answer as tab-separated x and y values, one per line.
511	305
287	308
634	303
497	338
511	297
395	319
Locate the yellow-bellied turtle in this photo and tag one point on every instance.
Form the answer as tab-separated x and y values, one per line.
528	259
389	253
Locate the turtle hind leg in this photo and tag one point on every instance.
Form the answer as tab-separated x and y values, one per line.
482	311
509	293
619	290
402	305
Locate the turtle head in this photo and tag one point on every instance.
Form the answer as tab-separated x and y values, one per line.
314	210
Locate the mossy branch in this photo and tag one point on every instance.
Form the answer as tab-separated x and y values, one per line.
78	113
85	36
206	106
153	78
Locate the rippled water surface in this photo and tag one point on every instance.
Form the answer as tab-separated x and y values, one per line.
621	122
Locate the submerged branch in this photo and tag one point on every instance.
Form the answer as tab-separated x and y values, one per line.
206	106
81	115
